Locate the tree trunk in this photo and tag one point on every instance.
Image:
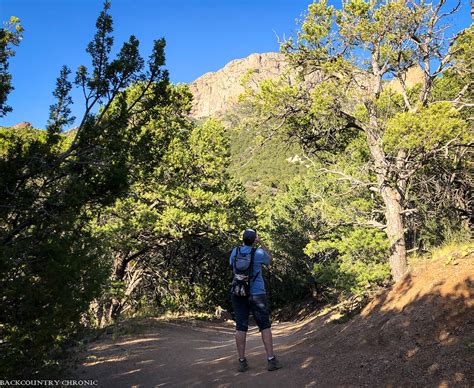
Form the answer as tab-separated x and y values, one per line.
118	275
395	232
392	200
115	309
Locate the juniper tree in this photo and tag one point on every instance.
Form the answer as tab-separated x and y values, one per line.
344	58
53	183
168	236
10	35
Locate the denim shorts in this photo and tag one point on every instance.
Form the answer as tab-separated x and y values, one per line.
255	303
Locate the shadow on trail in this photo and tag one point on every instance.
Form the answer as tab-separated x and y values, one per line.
409	335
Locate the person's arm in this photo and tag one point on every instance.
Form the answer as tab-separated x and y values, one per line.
262	245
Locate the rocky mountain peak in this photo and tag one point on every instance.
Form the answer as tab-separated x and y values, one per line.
215	92
23	124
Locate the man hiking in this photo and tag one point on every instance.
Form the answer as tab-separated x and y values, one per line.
248	294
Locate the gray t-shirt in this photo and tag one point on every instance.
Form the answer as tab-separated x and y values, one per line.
261	257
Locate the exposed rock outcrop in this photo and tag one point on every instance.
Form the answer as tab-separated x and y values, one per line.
215	92
414	75
23	124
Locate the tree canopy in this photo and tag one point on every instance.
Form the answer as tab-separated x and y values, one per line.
350	52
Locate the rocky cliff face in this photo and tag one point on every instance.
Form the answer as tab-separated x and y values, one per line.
413	76
216	92
23	124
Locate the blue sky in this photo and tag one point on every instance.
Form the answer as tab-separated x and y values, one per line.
201	35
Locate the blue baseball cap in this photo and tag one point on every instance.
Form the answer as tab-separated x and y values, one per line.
249	236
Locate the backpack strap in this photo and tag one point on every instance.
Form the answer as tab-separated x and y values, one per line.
237	251
252	254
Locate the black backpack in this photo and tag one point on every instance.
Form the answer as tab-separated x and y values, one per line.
242	267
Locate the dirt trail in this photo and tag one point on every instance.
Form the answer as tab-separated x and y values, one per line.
190	354
418	333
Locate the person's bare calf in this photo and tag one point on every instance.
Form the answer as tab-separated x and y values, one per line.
268	341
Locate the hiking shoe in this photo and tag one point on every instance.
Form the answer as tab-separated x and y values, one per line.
243	365
273	364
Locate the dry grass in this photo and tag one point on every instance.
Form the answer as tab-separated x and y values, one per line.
449	254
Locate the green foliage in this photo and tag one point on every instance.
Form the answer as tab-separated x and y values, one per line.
184	297
320	231
343	59
10	35
455	83
286	222
447	87
444	204
352	261
425	130
263	168
280	110
52	263
60	112
174	228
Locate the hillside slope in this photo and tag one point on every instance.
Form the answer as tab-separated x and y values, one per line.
263	169
417	333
